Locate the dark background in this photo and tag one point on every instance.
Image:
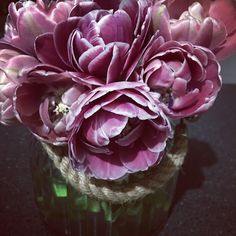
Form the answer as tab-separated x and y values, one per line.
3	12
205	198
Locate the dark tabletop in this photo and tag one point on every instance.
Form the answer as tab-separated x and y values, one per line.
205	198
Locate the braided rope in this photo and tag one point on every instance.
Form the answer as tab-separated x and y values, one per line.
115	192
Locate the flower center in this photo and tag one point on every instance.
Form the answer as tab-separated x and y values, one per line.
61	109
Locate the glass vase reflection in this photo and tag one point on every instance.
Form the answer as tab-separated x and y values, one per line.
67	212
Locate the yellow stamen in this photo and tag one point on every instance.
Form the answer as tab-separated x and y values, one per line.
61	108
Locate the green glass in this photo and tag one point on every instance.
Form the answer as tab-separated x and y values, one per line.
67	212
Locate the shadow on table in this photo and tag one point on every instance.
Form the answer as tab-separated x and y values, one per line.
200	156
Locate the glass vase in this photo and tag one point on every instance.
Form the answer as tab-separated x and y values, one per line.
65	211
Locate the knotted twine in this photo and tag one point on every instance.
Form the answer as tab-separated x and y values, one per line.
136	186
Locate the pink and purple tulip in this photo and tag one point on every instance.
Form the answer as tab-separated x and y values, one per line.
186	76
117	129
27	20
13	69
43	101
216	12
101	47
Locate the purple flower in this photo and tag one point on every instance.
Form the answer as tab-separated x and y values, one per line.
43	101
117	129
13	67
27	20
196	27
103	46
225	12
186	76
211	19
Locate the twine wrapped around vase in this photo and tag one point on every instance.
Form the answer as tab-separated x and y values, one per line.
136	186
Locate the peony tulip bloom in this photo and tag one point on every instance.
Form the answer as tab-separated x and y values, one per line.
223	11
177	7
193	26
13	68
103	46
117	129
27	20
43	101
186	76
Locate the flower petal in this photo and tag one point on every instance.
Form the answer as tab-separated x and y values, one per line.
61	36
46	51
138	157
103	126
106	167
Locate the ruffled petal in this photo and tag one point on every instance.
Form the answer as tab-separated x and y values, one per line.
138	157
105	167
46	51
103	126
61	36
130	110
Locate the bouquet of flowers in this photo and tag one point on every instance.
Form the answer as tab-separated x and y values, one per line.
106	79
